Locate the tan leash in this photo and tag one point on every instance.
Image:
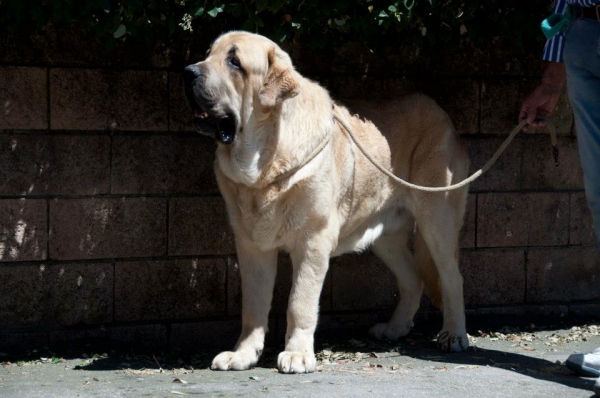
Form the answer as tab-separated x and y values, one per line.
310	157
461	184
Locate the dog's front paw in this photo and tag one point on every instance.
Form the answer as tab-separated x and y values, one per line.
454	342
235	360
296	362
387	331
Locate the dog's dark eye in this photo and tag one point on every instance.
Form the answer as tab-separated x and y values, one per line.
235	62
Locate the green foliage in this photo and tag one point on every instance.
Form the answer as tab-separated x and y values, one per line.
317	23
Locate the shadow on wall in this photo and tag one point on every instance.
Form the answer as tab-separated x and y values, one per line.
101	228
23	230
53	295
26	162
12	241
29	165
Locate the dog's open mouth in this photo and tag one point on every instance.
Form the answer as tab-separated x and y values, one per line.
221	128
219	125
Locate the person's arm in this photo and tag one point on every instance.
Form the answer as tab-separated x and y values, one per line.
542	101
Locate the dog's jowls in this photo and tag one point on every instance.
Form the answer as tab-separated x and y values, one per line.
267	120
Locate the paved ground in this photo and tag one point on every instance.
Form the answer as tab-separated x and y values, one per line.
504	362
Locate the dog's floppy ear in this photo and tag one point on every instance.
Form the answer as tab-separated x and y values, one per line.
280	83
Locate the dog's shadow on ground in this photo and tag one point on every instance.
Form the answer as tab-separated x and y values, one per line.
419	345
425	350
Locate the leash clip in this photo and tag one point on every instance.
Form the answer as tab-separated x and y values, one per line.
552	131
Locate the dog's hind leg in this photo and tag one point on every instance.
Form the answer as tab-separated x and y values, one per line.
258	270
393	250
439	218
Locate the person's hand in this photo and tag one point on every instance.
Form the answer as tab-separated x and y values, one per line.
542	100
537	106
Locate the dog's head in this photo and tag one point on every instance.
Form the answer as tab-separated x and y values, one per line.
242	74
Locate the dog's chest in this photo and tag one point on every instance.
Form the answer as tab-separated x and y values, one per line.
271	217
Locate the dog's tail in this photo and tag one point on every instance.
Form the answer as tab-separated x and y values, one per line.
427	271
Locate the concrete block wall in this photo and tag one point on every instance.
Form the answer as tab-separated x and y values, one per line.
111	224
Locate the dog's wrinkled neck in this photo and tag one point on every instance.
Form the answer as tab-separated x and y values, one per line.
309	158
278	141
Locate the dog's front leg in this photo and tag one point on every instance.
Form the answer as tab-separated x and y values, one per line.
310	267
258	270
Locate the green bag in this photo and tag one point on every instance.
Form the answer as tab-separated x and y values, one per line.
556	23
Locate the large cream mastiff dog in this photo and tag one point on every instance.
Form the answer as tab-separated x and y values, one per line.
294	181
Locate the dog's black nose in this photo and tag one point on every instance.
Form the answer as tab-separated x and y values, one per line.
192	72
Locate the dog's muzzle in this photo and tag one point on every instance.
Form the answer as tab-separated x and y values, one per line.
221	127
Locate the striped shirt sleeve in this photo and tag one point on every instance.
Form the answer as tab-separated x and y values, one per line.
553	51
585	3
